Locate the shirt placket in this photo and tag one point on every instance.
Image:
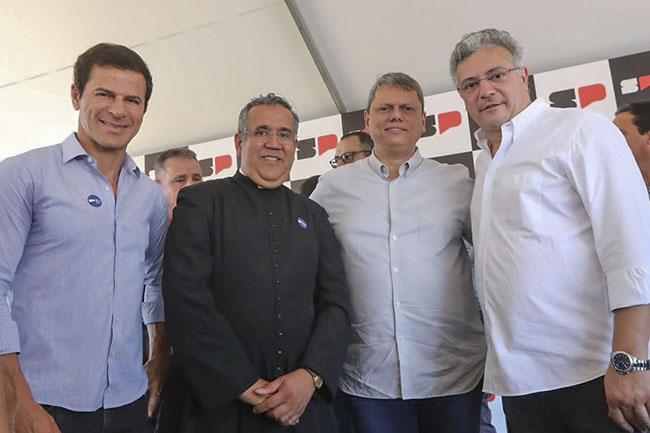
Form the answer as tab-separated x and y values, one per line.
394	263
274	228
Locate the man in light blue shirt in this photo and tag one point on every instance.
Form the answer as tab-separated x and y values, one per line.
417	349
82	233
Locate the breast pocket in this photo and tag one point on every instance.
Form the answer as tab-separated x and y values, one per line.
519	200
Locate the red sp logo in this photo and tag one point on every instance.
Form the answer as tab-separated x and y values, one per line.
633	85
446	121
587	95
308	147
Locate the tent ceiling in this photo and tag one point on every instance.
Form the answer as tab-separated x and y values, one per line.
208	57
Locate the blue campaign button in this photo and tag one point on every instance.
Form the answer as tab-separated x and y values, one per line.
302	223
94	201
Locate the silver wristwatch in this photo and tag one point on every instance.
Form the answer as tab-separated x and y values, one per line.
624	363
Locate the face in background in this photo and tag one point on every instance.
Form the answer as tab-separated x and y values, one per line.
111	109
493	103
177	174
639	143
268	146
395	119
351	143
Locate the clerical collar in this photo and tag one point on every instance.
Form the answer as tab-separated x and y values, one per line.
246	176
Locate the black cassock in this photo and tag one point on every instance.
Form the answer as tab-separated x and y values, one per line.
254	287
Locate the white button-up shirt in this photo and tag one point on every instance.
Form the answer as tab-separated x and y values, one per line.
416	331
561	225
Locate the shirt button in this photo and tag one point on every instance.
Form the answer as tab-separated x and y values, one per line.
394	237
279	316
119	285
270	213
277	281
108	390
278	299
113	355
106	189
276	266
117	319
398	303
278	368
89	159
280	352
275	251
280	334
395	269
117	251
399	338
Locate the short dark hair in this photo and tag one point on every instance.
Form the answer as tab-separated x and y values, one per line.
364	138
177	152
270	99
113	55
640	111
396	79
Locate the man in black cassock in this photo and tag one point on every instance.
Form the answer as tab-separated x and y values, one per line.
256	300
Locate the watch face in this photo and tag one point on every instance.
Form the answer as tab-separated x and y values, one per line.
621	362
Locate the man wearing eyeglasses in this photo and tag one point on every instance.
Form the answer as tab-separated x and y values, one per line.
352	147
257	302
561	225
417	349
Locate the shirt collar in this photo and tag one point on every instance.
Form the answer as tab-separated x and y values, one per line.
72	149
405	170
518	123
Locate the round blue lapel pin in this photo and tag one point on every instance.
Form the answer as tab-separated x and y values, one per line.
94	201
302	223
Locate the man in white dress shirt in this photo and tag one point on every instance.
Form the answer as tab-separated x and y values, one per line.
417	351
561	226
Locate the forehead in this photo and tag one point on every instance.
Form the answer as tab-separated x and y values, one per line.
348	144
118	80
395	95
624	120
176	166
483	60
272	116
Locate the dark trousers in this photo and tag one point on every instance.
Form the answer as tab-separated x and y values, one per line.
577	409
452	414
130	418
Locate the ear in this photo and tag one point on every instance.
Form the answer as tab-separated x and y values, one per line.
158	182
424	121
366	118
76	97
524	75
238	144
647	138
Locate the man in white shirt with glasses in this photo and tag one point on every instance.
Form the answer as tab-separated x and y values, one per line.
561	227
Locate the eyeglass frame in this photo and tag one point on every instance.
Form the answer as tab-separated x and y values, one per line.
490	77
270	134
352	153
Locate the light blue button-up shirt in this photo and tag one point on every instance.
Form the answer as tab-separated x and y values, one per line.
76	260
416	330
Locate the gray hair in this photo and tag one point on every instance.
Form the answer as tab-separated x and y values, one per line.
396	79
177	152
270	99
472	42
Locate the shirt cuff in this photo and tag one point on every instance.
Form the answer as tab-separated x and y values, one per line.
153	308
9	340
628	287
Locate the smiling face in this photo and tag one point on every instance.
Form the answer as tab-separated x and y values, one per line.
395	120
111	109
491	104
265	159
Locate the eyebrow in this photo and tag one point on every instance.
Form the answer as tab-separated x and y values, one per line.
496	68
112	93
282	128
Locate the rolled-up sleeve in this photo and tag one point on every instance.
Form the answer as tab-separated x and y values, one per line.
611	187
153	308
16	196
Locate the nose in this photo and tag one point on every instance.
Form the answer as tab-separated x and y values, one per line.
396	113
485	88
117	107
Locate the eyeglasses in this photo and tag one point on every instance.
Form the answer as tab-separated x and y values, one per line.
471	85
347	157
284	137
